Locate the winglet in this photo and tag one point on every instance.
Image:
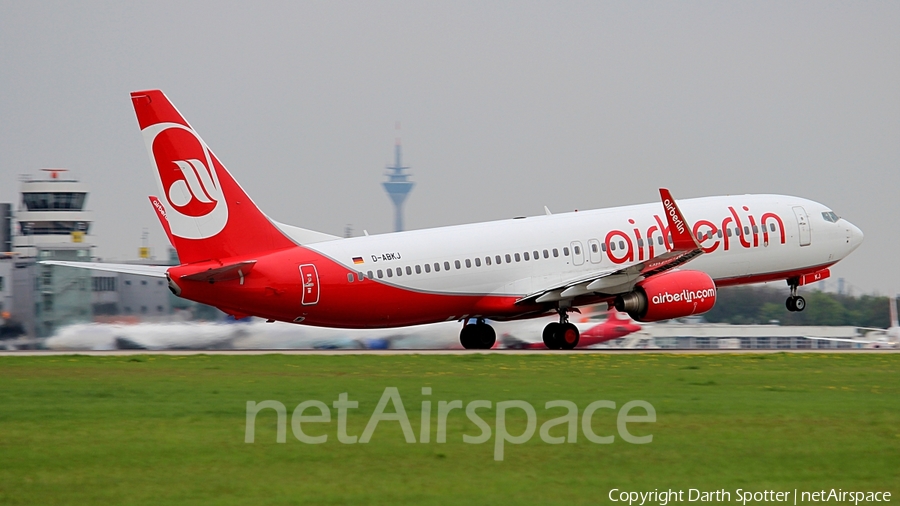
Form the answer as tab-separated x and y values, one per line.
161	214
682	238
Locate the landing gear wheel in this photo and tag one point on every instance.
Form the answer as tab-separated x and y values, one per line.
468	337
567	336
550	336
795	303
477	336
486	336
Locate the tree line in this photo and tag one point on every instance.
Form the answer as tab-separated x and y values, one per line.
765	304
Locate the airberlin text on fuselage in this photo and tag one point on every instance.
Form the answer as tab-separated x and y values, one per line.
684	295
620	245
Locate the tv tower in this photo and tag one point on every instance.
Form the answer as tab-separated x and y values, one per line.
398	185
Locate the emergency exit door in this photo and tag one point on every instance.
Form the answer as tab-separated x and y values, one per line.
309	278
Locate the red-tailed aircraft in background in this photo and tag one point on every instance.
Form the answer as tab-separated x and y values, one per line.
613	327
652	261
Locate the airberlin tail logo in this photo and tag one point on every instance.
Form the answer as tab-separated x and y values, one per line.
197	184
188	179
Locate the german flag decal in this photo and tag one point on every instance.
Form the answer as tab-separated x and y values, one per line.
358	260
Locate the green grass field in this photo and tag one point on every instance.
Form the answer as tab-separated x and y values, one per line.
157	429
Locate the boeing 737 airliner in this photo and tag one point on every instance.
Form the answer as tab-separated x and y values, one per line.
653	261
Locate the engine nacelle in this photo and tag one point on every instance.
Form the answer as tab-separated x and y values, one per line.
673	294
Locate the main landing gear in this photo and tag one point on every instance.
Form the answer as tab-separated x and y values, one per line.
477	336
794	303
562	335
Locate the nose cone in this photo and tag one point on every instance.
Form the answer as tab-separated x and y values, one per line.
854	236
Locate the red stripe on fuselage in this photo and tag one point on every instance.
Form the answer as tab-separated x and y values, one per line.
274	290
772	276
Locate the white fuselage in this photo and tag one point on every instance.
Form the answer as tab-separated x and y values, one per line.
580	243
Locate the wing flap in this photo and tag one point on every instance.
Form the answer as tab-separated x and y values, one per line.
225	273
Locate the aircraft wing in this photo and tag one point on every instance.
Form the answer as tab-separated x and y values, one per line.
154	271
613	281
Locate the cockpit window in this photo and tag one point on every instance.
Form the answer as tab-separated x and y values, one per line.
830	216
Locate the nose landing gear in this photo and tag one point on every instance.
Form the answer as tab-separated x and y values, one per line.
562	335
795	303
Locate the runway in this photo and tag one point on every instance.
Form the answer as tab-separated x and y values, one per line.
606	351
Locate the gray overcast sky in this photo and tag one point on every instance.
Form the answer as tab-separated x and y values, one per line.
505	107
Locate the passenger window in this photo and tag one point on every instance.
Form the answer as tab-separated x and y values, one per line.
399	271
728	232
487	260
527	257
546	254
446	266
577	250
566	251
772	227
603	246
746	230
369	274
427	268
621	244
497	258
518	258
612	246
457	264
418	269
477	262
437	267
755	229
640	242
390	273
508	259
468	263
719	233
594	247
380	274
409	270
349	277
659	240
360	276
536	255
555	253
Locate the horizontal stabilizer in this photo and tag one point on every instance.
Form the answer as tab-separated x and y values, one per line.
224	273
154	271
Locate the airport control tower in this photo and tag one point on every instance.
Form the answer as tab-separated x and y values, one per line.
398	187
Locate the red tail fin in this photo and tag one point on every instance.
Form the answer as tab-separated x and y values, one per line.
209	215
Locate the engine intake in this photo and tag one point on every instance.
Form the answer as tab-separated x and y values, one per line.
673	294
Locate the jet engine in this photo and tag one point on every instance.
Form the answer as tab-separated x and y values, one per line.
669	295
